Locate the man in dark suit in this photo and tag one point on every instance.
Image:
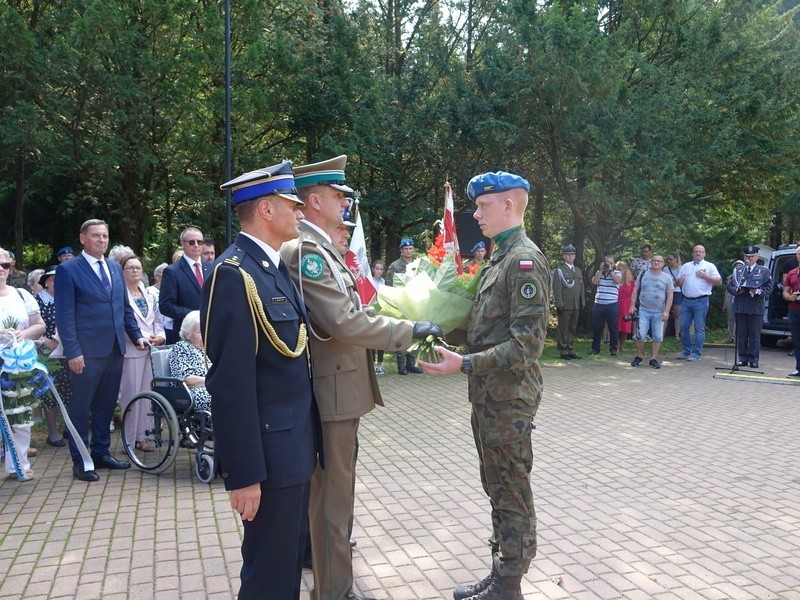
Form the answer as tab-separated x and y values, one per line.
267	430
182	281
92	315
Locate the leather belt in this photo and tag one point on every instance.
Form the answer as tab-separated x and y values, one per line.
685	297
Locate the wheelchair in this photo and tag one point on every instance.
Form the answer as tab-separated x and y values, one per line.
172	421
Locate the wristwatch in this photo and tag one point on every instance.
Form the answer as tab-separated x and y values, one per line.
466	365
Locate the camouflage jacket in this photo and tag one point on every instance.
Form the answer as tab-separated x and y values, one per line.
508	324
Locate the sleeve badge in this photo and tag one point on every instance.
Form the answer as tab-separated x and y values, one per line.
312	266
528	290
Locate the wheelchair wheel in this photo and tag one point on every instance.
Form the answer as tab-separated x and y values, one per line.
151	418
205	467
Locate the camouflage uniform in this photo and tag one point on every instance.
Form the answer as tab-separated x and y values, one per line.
505	337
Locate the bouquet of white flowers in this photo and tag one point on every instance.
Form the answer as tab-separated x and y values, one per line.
430	290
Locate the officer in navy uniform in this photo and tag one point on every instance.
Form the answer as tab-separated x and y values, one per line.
749	285
267	429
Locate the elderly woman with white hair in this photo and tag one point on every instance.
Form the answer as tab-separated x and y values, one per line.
187	360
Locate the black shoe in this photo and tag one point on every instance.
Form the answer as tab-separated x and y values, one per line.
794	374
613	353
742	363
353	543
109	462
82	475
413	369
57	443
637	360
352	596
654	363
754	364
566	357
574	356
595	352
401	366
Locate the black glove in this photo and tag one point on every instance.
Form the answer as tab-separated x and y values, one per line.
559	310
423	329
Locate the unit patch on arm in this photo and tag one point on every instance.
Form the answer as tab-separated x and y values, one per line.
527	290
312	266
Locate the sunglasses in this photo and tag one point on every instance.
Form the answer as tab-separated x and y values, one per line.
5	265
193	242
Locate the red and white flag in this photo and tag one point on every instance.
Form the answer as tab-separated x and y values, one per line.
358	263
450	235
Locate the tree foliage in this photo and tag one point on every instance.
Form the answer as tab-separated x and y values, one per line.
659	121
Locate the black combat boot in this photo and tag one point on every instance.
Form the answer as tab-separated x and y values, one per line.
468	591
401	366
410	366
502	588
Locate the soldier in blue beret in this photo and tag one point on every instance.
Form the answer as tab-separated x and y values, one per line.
267	429
749	284
505	338
65	254
478	255
405	360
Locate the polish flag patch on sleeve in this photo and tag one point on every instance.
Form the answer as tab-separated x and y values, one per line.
525	263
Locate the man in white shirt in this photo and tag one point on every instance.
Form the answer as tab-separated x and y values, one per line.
697	280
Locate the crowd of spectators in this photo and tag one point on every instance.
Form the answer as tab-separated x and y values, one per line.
28	311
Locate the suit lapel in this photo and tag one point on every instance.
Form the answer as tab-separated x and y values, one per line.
89	271
187	270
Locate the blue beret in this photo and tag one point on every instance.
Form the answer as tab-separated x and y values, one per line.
406	242
64	250
478	246
277	179
493	183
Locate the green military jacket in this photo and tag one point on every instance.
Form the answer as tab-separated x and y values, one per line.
568	290
508	324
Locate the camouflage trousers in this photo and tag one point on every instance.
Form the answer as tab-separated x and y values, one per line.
502	432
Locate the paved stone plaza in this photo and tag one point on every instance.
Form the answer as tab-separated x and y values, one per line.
648	484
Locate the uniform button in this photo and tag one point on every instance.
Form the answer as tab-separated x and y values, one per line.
338	367
266	426
225	474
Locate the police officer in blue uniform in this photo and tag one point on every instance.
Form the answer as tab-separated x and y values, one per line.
267	430
749	285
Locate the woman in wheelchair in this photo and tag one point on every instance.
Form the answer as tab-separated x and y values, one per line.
187	361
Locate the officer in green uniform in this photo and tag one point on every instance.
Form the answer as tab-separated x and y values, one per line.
505	338
568	295
345	385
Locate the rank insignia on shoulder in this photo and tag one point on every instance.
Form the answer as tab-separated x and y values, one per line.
525	263
233	260
528	290
312	266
